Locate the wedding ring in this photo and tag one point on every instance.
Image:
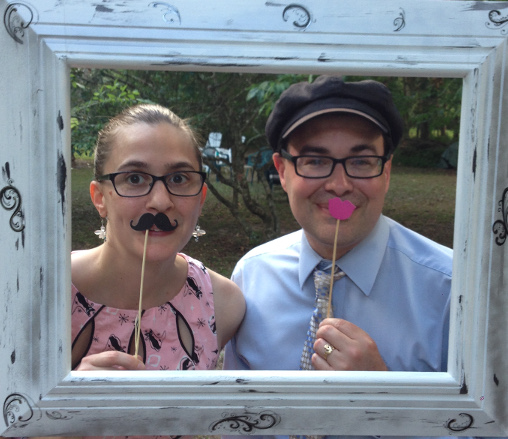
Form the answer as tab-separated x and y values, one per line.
328	350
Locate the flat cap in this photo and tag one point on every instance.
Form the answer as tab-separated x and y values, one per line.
328	94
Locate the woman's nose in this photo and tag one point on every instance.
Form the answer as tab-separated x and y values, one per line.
159	197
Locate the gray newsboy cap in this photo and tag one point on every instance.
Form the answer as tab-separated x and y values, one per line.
328	94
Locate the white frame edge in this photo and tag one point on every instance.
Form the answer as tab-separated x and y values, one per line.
406	38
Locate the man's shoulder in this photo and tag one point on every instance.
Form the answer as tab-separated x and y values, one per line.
418	248
283	245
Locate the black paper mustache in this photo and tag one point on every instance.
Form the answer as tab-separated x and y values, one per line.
161	221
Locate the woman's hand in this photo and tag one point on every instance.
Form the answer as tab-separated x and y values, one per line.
111	360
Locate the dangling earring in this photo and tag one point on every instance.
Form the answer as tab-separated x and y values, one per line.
198	231
101	233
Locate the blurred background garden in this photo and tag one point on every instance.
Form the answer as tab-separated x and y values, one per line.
244	208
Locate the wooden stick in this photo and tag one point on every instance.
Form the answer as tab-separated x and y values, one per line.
329	309
137	325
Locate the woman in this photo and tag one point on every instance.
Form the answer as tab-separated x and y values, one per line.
147	161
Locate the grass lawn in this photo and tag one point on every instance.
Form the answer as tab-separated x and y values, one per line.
421	199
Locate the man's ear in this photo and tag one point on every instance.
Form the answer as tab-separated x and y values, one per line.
97	197
280	165
387	172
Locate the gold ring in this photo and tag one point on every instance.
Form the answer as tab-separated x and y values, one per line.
328	350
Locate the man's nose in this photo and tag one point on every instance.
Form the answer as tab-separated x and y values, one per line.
339	181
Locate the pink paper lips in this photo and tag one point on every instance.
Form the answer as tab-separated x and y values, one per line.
339	209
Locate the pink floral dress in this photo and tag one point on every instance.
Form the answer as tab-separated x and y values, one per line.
178	335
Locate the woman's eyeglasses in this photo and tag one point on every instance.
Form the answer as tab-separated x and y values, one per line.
139	184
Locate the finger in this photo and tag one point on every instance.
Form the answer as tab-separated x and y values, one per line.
326	360
360	354
325	349
111	360
344	326
332	327
319	363
333	336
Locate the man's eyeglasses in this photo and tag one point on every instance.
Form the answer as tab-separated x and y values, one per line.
138	184
317	166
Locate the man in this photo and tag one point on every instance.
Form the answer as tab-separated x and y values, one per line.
391	308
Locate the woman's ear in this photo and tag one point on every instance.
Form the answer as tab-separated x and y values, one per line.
97	197
204	190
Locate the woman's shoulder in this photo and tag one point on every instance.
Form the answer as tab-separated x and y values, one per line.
83	258
82	266
229	306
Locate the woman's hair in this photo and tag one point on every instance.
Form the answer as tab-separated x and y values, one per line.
150	114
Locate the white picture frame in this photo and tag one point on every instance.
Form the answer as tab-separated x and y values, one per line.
40	40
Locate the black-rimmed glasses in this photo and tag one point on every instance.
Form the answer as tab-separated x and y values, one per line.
317	166
139	184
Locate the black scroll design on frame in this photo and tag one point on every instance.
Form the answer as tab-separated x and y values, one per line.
400	21
170	15
497	21
17	408
10	199
500	227
466	421
55	415
298	15
14	23
246	423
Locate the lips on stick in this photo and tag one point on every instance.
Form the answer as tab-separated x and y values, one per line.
340	210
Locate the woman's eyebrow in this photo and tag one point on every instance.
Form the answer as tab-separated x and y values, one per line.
143	166
179	166
137	164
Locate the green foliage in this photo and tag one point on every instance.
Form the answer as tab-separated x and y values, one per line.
430	107
237	105
96	97
419	154
267	92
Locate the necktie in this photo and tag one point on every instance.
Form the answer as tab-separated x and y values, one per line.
322	286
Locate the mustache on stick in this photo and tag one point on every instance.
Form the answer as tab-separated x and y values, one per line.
161	221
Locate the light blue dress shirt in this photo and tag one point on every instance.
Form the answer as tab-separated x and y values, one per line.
397	289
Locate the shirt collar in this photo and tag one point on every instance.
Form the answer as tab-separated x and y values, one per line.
361	264
308	260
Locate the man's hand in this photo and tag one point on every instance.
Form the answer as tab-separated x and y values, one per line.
111	360
353	349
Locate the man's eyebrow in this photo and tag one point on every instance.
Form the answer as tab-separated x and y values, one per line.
308	149
312	149
364	147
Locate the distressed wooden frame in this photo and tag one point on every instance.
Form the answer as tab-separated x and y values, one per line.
40	40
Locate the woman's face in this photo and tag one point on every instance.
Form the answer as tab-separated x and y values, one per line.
159	150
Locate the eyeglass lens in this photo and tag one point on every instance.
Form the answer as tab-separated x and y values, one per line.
136	184
361	166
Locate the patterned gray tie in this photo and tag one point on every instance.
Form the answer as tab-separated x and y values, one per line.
322	286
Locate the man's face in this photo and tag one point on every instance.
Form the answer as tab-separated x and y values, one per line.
336	136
